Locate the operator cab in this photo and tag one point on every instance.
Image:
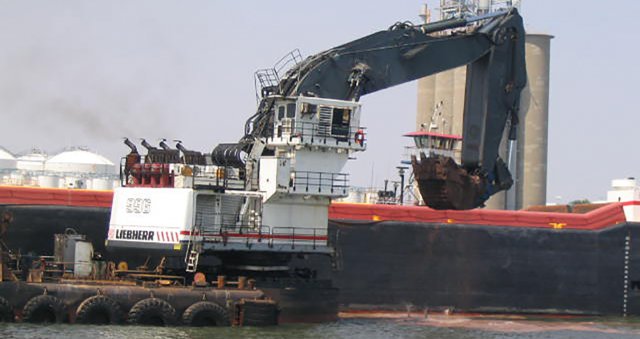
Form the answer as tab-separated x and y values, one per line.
316	121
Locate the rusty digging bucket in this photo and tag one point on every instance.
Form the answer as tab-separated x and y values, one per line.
445	185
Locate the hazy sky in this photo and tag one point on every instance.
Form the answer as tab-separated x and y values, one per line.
87	73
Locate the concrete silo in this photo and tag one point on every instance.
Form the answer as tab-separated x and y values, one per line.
440	98
531	168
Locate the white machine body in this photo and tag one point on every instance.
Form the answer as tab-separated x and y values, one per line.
281	205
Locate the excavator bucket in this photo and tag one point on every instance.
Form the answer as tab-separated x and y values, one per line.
445	185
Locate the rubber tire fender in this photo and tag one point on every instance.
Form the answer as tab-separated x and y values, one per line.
152	311
6	312
34	310
192	315
86	312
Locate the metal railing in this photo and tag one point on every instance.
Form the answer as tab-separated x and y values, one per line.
415	151
270	77
288	236
314	132
310	182
206	227
163	175
300	236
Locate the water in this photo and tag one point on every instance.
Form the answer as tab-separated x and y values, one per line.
370	328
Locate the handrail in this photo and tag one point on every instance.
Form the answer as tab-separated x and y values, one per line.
311	131
271	235
163	175
320	180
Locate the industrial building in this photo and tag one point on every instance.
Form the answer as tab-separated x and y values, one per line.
75	168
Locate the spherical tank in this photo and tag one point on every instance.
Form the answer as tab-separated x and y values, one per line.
533	130
80	161
33	161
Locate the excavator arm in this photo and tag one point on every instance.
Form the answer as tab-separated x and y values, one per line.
492	47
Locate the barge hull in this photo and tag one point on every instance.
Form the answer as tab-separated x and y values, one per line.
486	269
391	257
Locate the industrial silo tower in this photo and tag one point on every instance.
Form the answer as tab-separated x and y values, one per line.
441	101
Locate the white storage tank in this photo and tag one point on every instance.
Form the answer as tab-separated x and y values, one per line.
32	161
104	184
7	160
16	179
80	161
51	181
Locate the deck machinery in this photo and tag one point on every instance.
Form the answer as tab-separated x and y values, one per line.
234	201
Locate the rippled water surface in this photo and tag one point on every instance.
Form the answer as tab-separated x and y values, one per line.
399	326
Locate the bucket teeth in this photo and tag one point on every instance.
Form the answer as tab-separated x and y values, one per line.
443	184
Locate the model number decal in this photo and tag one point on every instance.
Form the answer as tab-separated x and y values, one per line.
138	205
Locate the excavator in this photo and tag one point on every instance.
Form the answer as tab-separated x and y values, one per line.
261	201
259	208
492	48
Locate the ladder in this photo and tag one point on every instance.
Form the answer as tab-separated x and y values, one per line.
193	252
192	260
